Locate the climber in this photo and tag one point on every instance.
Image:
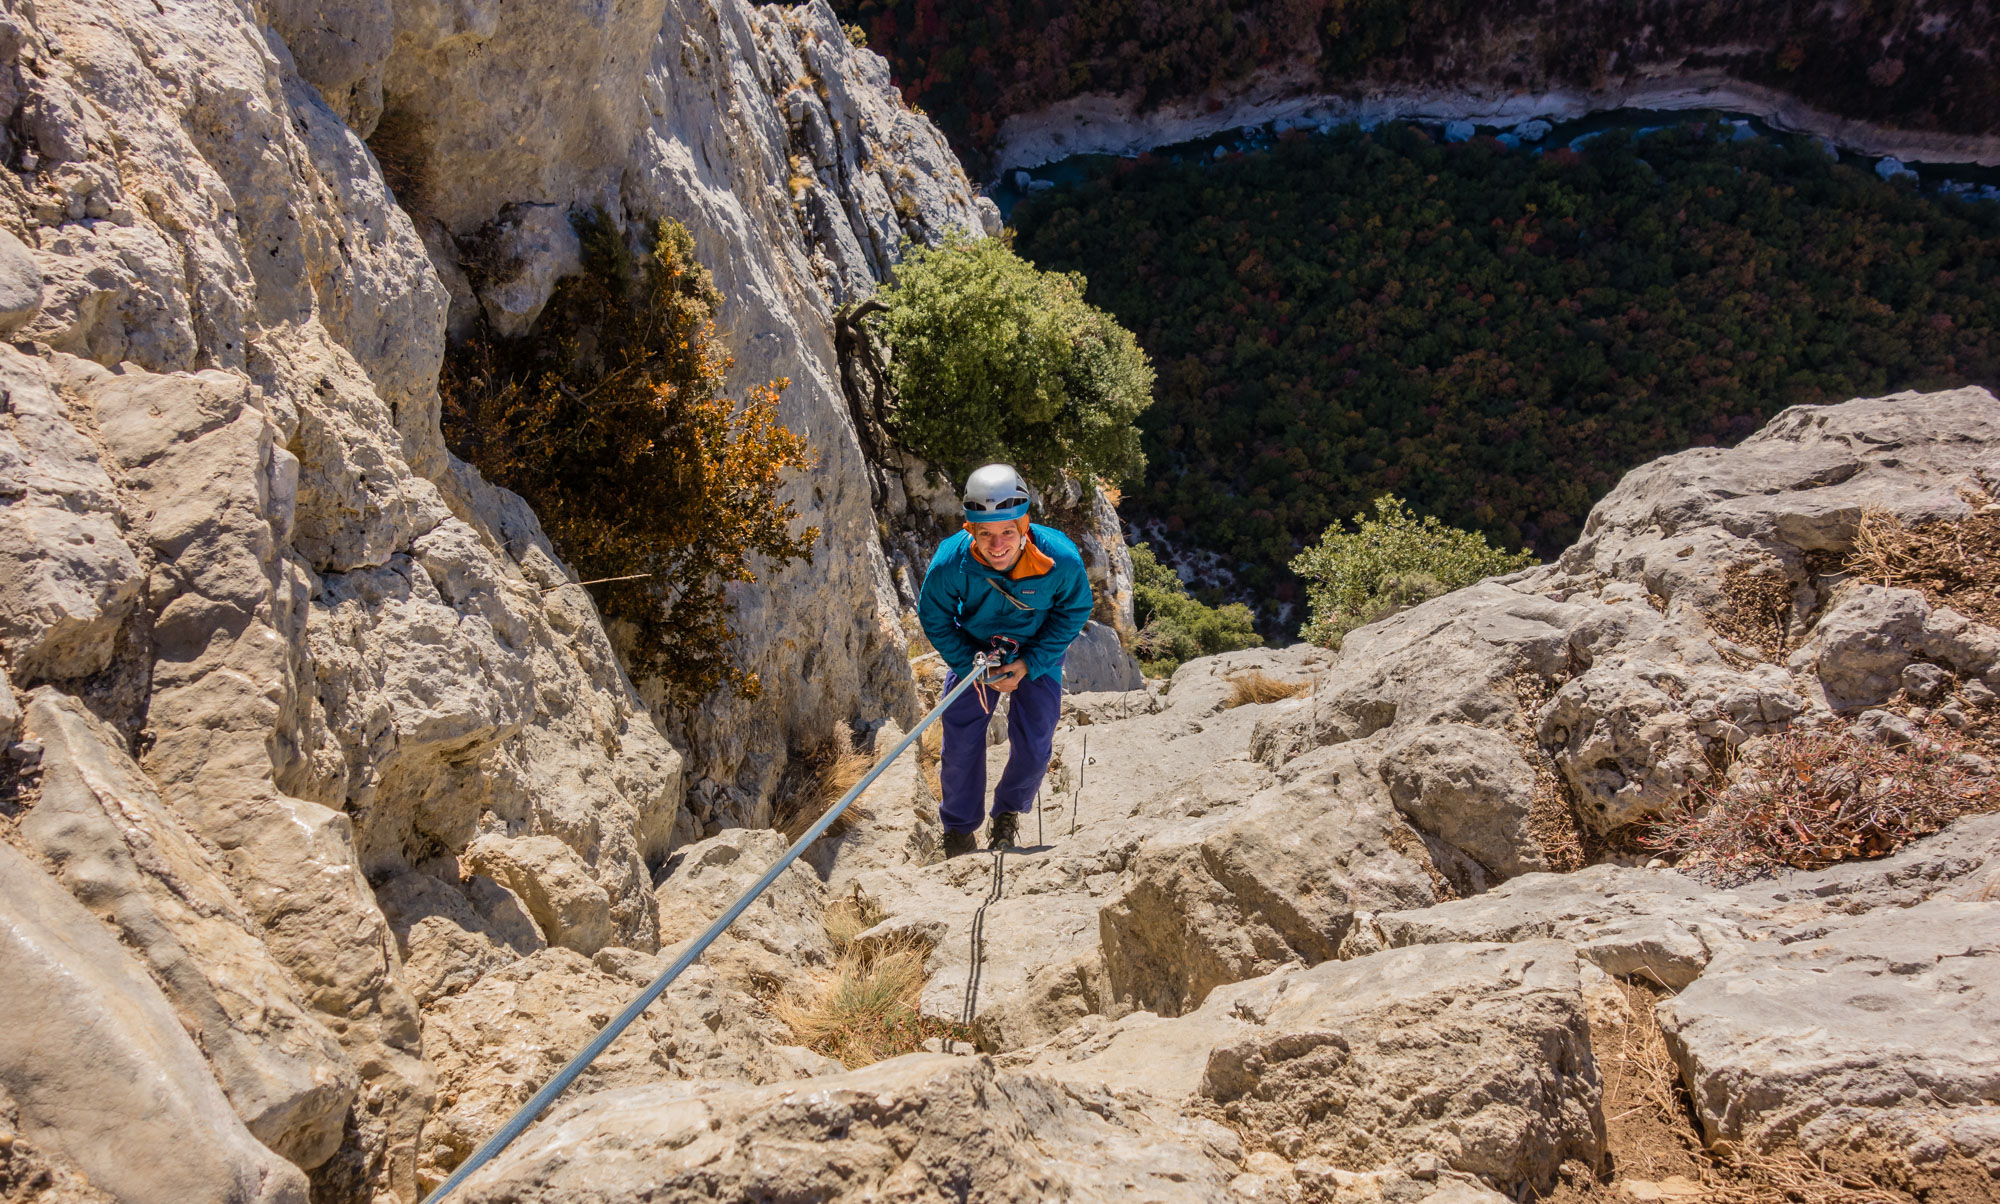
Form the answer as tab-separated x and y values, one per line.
1018	590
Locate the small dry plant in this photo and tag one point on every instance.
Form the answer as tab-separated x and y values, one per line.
817	781
1814	798
1953	563
1256	685
865	1008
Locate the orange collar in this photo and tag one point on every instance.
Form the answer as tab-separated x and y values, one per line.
1032	562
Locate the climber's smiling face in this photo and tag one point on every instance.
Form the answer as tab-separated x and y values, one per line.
999	543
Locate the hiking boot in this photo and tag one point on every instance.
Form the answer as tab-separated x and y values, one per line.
1001	834
957	844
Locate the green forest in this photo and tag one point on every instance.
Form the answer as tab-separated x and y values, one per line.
972	63
1497	336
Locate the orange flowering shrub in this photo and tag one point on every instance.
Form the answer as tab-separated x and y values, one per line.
610	419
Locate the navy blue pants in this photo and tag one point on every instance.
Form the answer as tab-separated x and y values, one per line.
1031	733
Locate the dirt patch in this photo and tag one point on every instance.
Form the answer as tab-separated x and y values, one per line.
1554	821
1759	613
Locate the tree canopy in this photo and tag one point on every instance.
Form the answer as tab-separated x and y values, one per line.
993	359
1497	336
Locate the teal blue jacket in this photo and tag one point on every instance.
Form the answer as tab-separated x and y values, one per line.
964	604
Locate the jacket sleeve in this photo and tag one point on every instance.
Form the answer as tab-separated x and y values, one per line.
937	611
1067	615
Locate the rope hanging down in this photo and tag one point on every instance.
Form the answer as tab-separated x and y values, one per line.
532	1110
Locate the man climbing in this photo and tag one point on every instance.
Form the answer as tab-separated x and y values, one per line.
1016	591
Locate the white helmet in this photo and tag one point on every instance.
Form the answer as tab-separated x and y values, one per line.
995	494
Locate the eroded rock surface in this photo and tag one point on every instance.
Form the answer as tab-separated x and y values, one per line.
100	1072
927	1127
1878	1027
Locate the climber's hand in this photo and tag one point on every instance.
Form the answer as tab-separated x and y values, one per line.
1007	678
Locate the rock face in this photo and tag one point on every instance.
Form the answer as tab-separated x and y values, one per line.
314	699
1613	663
330	825
125	857
926	1127
99	1070
799	171
1479	1054
1786	1041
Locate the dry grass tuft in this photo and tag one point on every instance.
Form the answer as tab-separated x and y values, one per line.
930	756
816	782
1812	798
1953	563
1259	686
1652	1135
865	1008
398	145
850	916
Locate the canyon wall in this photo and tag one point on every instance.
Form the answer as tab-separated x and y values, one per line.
289	686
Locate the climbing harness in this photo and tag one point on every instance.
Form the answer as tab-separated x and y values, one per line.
530	1111
1002	650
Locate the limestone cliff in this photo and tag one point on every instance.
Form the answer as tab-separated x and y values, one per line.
330	824
300	700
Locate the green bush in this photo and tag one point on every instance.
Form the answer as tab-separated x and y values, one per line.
1389	563
993	359
1174	627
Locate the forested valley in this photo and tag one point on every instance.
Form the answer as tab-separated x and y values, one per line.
1496	335
972	63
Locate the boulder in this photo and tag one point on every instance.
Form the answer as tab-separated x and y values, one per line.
1863	647
100	1070
524	251
10	711
451	934
20	285
1470	788
1478	1054
1098	662
1243	890
1654	924
499	1040
1882	1028
921	1128
781	933
68	580
129	861
570	908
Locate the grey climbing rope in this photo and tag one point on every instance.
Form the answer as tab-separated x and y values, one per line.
977	961
1076	800
518	1123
